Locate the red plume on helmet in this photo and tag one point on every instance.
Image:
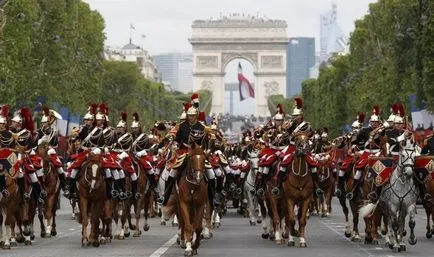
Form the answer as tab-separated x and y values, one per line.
326	130
93	108
361	117
136	116
27	119
376	110
5	111
103	109
160	126
186	106
400	110
46	111
298	102
124	116
279	108
394	108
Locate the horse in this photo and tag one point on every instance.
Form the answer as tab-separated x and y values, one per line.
193	196
47	217
424	174
249	186
72	149
298	189
161	187
398	198
92	198
326	183
9	206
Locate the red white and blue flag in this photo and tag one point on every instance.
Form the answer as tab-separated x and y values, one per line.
246	89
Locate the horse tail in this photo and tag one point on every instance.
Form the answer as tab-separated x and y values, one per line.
367	210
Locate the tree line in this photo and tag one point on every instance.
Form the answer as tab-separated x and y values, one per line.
53	50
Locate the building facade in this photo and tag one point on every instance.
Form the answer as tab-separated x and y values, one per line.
300	60
133	53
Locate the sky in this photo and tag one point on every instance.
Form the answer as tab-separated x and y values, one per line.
167	23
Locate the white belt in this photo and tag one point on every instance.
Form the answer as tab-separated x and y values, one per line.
372	150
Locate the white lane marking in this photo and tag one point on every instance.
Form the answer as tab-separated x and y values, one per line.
346	239
160	251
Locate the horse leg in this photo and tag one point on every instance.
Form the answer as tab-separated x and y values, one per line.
53	225
188	228
302	222
276	222
428	222
343	202
7	228
263	212
197	225
137	208
48	213
146	204
355	237
412	223
252	206
290	223
83	204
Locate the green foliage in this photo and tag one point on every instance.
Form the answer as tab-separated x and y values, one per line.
287	104
391	56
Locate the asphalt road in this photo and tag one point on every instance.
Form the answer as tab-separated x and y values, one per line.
235	237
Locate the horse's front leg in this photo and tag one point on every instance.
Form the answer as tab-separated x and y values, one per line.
197	225
188	228
412	240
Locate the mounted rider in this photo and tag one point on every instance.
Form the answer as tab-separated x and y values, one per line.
182	139
350	140
270	154
6	142
91	139
196	104
368	143
22	127
47	133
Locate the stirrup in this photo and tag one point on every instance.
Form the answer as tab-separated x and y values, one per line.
239	191
41	200
137	195
5	193
66	193
338	193
114	193
122	196
427	197
260	192
349	196
252	191
160	200
275	191
224	194
43	193
319	192
129	194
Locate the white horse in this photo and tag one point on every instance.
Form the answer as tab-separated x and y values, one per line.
161	188
398	198
249	187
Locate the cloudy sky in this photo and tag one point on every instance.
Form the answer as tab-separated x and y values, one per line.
167	23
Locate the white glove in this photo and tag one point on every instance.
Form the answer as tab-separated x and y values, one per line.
218	152
51	151
122	156
141	153
96	151
277	153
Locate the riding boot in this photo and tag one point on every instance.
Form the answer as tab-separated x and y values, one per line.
22	186
341	187
108	188
38	192
317	190
168	189
356	189
374	195
121	187
425	196
41	184
134	192
153	183
214	196
3	189
260	184
219	186
72	187
64	185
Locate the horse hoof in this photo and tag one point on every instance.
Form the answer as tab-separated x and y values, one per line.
54	233
127	234
323	215
2	244
279	242
265	235
404	233
121	237
375	242
163	223
95	244
402	248
347	234
43	235
137	234
303	245
383	232
32	236
429	234
272	237
102	241
133	227
6	247
178	241
14	244
291	243
146	227
174	224
396	249
412	241
195	252
20	239
188	253
182	245
252	223
285	235
259	221
387	244
27	242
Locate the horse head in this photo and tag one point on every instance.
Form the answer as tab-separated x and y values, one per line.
407	156
196	169
301	144
93	171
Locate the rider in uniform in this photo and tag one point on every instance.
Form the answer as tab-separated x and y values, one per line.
182	139
195	103
6	141
48	133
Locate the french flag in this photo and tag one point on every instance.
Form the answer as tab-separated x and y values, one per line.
246	89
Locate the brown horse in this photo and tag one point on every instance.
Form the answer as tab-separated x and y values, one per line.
298	189
424	174
8	207
72	148
92	198
51	185
193	195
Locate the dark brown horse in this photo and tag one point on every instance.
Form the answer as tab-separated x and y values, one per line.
193	196
51	185
92	198
298	190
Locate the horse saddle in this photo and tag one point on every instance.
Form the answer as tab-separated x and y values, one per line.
380	169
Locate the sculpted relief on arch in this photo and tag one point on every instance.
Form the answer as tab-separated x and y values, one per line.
251	57
271	88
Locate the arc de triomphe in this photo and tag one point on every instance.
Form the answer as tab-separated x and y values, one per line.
260	41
